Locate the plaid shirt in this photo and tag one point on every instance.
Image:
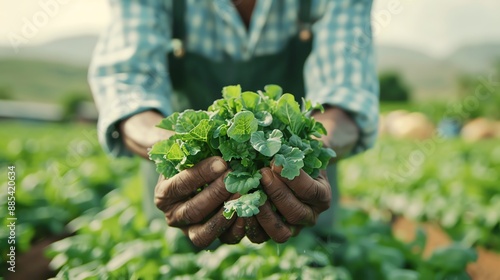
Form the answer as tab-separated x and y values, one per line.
128	73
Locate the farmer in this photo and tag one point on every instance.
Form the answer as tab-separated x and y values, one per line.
157	57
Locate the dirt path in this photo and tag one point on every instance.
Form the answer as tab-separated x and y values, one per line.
487	266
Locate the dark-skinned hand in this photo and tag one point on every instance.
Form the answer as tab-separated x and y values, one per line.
197	214
298	202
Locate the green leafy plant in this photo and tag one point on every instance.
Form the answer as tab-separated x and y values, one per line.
249	130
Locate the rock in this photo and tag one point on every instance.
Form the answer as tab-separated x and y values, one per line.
386	124
478	129
412	126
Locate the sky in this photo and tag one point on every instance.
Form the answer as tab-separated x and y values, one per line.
435	27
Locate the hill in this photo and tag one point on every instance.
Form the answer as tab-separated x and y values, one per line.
53	69
477	58
37	80
73	50
426	75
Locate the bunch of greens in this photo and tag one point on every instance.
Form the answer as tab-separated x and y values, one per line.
248	130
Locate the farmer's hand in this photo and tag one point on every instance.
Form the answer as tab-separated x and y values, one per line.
139	132
198	214
342	131
242	227
299	201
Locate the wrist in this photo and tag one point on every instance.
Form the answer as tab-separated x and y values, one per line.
342	131
139	132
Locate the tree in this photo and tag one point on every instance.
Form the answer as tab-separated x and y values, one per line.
71	103
392	88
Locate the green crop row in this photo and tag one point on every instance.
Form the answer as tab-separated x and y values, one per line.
450	182
65	184
118	243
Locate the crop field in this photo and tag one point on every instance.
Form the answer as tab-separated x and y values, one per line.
67	187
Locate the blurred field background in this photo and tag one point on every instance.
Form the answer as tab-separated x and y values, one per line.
423	204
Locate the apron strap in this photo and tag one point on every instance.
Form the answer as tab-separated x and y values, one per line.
305	12
178	24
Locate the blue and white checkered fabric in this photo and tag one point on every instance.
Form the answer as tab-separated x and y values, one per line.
128	72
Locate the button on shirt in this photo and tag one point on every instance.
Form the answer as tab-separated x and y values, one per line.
128	73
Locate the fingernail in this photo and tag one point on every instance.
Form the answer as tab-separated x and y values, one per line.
276	168
218	166
267	177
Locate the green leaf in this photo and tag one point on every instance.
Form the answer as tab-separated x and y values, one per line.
221	130
312	162
303	144
402	274
273	91
291	160
229	92
453	258
250	100
163	166
244	124
200	132
191	147
245	206
264	118
169	122
288	111
308	106
318	129
242	182
175	152
188	120
325	156
269	146
231	149
161	148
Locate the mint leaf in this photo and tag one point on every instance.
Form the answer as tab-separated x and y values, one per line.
264	118
161	148
230	150
273	91
220	130
188	120
308	106
245	206
231	92
325	155
166	154
175	152
244	124
250	100
269	146
199	132
318	129
291	160
163	166
242	182
169	122
288	111
191	147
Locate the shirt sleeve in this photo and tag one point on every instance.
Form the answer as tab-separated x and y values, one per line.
340	71
128	72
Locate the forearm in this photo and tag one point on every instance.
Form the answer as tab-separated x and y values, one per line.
340	73
128	72
139	132
342	131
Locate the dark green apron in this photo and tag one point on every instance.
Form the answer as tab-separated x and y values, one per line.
198	81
